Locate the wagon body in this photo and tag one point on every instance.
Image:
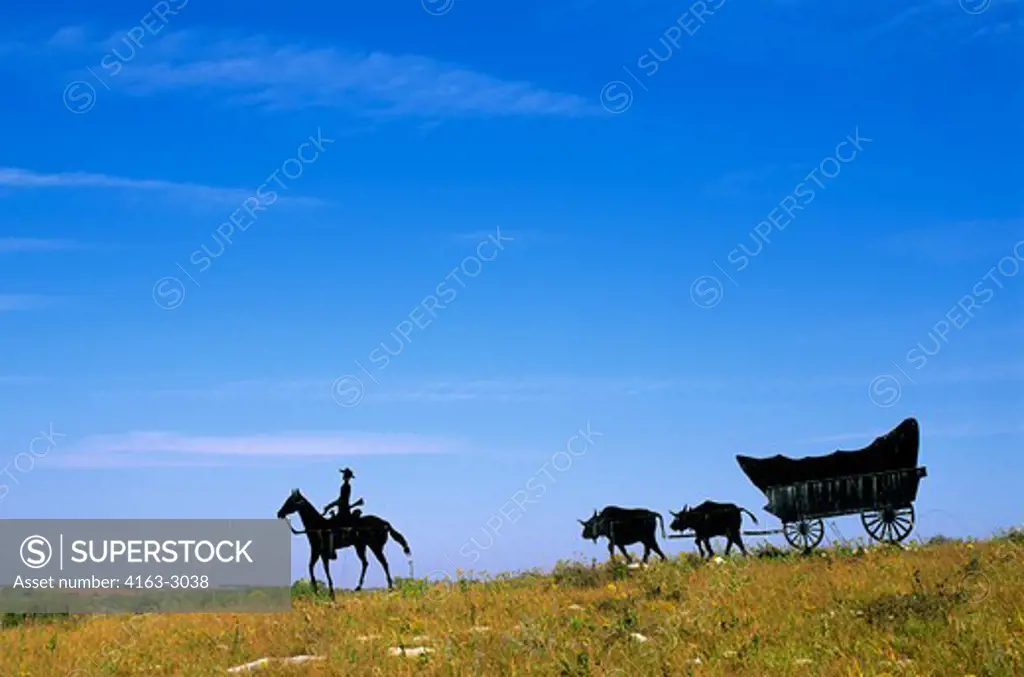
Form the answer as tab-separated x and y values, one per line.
844	495
879	481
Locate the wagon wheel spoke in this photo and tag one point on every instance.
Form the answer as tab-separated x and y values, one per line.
871	521
874	517
816	532
791	530
889	525
874	524
805	534
903	523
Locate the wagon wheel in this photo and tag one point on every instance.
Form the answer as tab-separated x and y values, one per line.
806	534
890	525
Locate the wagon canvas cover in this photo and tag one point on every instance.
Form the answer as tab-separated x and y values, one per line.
896	450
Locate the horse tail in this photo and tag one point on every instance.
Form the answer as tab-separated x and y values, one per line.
400	539
750	513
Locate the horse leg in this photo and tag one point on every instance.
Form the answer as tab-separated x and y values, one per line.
378	552
325	559
361	552
313	556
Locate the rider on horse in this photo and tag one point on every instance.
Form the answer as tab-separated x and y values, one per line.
345	515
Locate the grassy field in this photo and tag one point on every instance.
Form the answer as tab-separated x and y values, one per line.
944	608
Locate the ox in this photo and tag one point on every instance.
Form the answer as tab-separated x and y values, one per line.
625	526
712	519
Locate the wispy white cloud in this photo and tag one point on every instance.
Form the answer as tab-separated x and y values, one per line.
571	387
257	71
170	448
68	36
32	244
563	388
22	380
999	29
13	177
955	243
858	440
521	236
26	301
248	388
945	19
743	181
535	389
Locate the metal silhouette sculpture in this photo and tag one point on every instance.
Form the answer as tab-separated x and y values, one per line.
879	482
710	519
344	512
625	526
327	535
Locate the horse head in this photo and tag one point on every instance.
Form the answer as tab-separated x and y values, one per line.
291	504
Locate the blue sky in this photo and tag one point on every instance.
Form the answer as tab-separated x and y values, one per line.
865	157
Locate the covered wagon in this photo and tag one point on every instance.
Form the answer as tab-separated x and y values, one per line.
879	482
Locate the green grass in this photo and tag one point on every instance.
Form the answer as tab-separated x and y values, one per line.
941	608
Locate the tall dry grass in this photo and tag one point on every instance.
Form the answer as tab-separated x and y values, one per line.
943	609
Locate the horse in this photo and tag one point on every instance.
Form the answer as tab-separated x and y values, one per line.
326	536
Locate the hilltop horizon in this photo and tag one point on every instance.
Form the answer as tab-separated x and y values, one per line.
510	264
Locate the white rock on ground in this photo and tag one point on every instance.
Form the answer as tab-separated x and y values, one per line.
265	662
410	651
638	637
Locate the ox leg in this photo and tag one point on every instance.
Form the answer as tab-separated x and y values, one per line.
611	551
625	554
728	544
707	546
656	549
647	553
739	541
